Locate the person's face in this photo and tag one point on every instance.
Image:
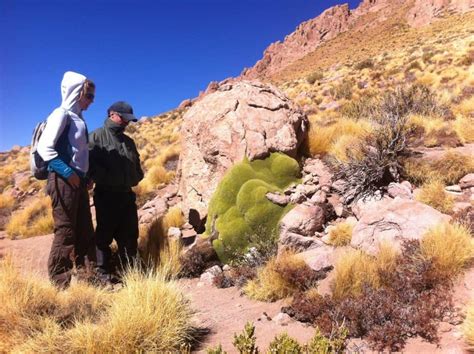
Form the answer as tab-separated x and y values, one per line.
117	118
86	99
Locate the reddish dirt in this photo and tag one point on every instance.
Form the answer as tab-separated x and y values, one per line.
225	312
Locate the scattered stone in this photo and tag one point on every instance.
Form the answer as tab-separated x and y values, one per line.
282	319
401	190
319	197
278	199
317	168
297	197
467	181
320	259
333	105
339	185
303	219
174	232
453	189
208	276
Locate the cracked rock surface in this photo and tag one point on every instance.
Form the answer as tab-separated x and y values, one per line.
241	119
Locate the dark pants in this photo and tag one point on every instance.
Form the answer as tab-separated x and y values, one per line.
117	219
73	230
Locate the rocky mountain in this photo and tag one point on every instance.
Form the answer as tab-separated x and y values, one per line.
338	19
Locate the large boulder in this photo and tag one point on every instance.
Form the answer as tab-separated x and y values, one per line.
393	221
241	119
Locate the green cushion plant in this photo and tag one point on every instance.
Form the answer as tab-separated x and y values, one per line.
239	211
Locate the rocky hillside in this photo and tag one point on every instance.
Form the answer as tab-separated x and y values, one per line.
340	19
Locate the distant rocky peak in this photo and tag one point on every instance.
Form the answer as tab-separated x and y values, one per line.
337	19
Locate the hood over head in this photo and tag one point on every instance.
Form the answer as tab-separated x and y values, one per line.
71	87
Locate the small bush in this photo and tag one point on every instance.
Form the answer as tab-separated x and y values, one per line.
449	247
284	344
36	219
433	194
246	341
315	76
334	343
365	64
409	302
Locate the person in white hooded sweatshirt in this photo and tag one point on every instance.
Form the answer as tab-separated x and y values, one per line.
64	146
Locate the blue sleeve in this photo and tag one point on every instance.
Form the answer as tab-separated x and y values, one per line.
60	167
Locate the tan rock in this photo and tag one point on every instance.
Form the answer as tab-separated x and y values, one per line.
394	220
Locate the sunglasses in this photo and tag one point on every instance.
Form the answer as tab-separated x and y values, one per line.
89	96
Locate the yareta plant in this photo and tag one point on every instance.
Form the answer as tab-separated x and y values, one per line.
239	213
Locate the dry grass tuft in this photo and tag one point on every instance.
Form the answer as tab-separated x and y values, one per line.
464	127
270	284
433	194
323	139
352	271
341	234
173	218
450	247
6	201
148	315
449	169
35	219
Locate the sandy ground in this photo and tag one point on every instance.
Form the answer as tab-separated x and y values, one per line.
225	312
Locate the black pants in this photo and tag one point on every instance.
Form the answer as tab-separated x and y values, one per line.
117	219
73	230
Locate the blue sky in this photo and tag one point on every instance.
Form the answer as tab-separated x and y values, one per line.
152	54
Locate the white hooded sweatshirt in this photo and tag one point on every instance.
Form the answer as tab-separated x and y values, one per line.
77	154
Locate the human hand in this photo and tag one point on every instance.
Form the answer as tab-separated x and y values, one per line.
74	180
90	185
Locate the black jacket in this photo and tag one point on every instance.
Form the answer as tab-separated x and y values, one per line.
114	162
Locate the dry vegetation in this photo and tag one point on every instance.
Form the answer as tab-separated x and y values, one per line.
343	102
148	315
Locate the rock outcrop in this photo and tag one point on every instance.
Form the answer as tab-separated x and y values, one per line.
338	19
424	12
239	120
392	221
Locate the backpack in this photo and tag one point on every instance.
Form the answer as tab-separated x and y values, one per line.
39	167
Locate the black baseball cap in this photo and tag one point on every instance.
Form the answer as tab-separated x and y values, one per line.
124	109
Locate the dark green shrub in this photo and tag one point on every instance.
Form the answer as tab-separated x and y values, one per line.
284	344
216	350
239	215
321	344
245	342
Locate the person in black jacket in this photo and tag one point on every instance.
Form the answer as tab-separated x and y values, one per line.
115	169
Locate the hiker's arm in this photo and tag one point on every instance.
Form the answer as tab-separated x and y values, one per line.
97	170
138	165
56	124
